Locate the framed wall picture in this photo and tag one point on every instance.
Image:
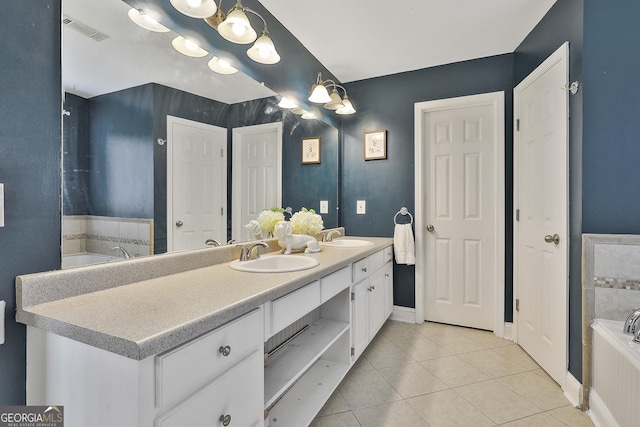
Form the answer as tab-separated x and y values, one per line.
311	150
375	145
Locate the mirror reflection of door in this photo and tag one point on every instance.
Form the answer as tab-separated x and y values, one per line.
196	184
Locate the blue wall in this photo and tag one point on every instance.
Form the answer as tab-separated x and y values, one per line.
564	22
76	156
387	185
30	120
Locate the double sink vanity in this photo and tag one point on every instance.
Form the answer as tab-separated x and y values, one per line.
200	338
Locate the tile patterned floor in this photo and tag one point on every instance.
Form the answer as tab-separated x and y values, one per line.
434	375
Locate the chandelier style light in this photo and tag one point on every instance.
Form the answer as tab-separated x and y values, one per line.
333	101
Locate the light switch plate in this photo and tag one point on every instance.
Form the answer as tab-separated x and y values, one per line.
324	206
2	306
1	205
361	207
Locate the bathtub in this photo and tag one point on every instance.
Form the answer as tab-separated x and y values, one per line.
614	399
86	258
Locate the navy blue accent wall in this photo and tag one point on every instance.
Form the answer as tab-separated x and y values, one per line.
120	140
76	156
564	22
387	185
30	119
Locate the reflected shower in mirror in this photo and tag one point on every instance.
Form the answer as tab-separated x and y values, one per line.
115	134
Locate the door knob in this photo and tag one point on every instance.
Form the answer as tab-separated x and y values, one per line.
555	239
430	228
179	223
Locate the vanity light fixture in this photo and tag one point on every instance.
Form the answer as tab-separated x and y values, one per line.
309	115
195	8
221	66
287	103
145	21
320	95
188	47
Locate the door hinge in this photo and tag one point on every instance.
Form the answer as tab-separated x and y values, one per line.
353	351
517	214
517	125
353	296
517	304
222	152
221	211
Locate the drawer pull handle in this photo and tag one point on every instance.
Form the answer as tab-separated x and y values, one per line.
386	274
225	419
373	287
364	270
225	351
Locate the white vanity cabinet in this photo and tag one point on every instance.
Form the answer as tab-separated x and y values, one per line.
372	296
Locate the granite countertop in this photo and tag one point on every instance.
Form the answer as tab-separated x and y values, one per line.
147	317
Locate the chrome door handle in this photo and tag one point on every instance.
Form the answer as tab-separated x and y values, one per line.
430	228
225	351
179	223
555	239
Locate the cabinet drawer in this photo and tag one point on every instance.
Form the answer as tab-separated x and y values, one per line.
291	307
238	394
361	270
332	284
376	260
186	368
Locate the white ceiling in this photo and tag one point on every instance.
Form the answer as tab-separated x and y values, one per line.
354	39
360	39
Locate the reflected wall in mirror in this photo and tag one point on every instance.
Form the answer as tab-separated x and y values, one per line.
114	141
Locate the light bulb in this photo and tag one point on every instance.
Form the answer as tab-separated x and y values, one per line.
223	63
150	20
190	45
194	3
238	29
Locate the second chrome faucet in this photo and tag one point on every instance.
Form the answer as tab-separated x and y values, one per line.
245	253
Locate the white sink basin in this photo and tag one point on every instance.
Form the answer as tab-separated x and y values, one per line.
348	243
275	264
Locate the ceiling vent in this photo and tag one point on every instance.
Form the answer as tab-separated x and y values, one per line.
83	29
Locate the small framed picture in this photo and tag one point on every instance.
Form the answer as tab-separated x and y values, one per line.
311	150
375	145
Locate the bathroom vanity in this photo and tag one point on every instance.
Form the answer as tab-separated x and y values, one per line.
182	339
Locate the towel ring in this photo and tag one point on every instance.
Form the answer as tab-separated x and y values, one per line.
403	211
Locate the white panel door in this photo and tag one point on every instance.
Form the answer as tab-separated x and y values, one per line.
460	216
541	272
196	184
257	176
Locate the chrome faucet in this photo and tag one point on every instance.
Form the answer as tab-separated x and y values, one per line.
631	325
123	251
211	242
328	236
245	253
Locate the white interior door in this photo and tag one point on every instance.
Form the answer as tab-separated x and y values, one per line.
196	184
257	174
460	215
541	186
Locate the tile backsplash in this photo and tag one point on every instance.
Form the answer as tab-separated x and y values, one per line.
99	234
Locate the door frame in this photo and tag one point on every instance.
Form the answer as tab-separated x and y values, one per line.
561	54
236	182
496	99
171	120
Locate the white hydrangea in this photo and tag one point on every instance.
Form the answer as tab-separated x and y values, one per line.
268	219
306	222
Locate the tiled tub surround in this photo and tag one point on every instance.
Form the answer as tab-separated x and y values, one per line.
99	234
611	288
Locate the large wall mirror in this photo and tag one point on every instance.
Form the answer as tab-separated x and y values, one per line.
124	86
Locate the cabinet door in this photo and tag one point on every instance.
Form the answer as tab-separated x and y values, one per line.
360	322
388	290
377	297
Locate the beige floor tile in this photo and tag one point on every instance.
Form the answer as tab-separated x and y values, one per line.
516	354
497	401
379	339
454	371
486	338
492	364
334	405
538	420
422	349
412	380
362	364
399	332
344	419
543	393
390	415
366	388
457	343
573	417
386	355
542	373
429	329
448	409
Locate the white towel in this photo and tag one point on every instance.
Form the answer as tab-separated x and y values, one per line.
403	245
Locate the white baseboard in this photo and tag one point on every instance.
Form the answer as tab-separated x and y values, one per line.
508	331
599	413
573	390
403	314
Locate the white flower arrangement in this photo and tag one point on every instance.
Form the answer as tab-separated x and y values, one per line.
306	222
268	219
